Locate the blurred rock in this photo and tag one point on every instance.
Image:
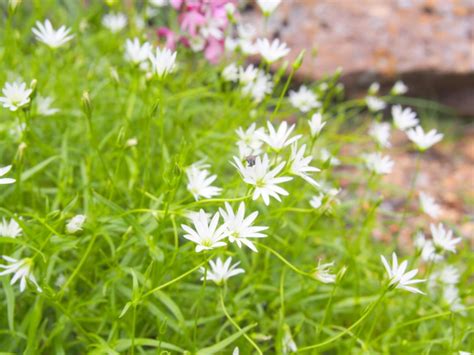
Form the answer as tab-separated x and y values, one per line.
429	44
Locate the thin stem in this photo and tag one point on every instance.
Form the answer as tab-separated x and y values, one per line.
234	323
175	279
347	330
286	262
282	94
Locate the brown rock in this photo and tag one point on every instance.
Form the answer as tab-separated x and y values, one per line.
427	43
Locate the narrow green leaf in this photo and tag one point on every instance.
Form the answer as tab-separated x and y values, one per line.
225	342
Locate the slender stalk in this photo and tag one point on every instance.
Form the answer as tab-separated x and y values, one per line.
286	262
234	323
347	330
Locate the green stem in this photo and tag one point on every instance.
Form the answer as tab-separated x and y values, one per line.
347	330
286	262
234	323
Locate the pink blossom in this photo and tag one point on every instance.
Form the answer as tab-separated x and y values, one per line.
168	36
214	50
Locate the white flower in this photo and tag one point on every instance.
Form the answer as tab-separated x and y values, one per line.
323	274
316	201
163	62
381	133
443	239
230	44
399	88
304	99
45	33
44	106
15	95
299	164
75	224
430	253
247	46
261	86
451	296
240	228
136	52
114	22
378	163
404	118
206	234
280	138
316	124
158	3
268	6
263	179
398	277
449	275
429	205
424	140
249	141
220	271
247	75
4	171
10	229
325	155
273	51
374	88
288	344
231	73
374	103
21	270
199	182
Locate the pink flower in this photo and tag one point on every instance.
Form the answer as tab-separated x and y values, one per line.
168	35
190	21
214	50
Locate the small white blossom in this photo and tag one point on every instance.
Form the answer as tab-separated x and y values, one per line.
10	229
288	344
399	88
75	224
206	233
429	205
279	139
398	277
378	163
249	141
316	124
15	95
231	73
52	38
374	88
448	275
44	106
443	238
304	99
135	52
199	182
374	103
451	296
424	140
271	52
163	62
323	274
240	228
299	164
4	171
158	3
316	201
21	270
268	6
404	118
325	155
247	75
380	131
114	22
261	86
221	271
264	180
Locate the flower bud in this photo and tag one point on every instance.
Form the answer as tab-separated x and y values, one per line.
299	60
75	223
86	104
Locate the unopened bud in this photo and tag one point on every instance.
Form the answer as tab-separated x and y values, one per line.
299	60
13	5
86	104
